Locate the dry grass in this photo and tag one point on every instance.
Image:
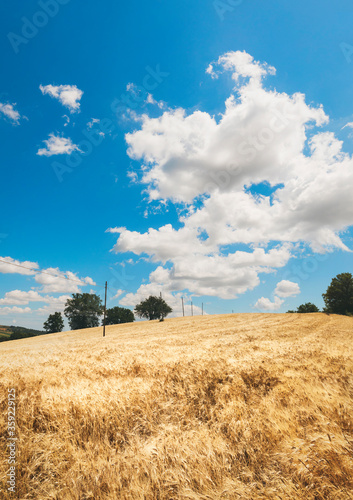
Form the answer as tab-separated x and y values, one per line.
248	406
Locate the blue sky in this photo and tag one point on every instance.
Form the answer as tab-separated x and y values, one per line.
138	141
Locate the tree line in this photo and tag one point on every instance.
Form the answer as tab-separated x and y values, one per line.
84	310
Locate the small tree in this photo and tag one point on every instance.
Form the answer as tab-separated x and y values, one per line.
308	307
117	315
153	308
54	323
339	295
83	310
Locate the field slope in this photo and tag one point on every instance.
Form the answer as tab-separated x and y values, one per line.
243	406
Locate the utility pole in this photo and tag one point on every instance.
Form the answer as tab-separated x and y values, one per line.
182	305
192	310
202	308
105	307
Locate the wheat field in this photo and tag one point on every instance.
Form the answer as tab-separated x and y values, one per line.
242	406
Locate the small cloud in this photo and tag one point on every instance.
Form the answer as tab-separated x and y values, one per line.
211	72
150	99
68	95
118	294
132	176
89	281
115	230
57	145
10	112
92	122
67	118
266	305
287	289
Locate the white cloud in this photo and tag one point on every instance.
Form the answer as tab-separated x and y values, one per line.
68	95
9	111
242	65
150	99
163	244
56	282
52	280
57	145
88	281
197	265
287	288
19	297
14	310
118	294
212	168
59	283
265	304
13	266
22	298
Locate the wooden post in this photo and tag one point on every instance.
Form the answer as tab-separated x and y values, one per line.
202	308
182	305
192	310
105	307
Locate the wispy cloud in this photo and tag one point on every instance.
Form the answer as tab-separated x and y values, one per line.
91	123
350	125
10	112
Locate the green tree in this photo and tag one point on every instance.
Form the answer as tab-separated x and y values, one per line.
308	307
339	295
83	310
117	315
153	308
54	323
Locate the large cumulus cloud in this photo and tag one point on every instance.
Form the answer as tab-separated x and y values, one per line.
213	166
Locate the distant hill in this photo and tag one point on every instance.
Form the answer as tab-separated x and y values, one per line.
17	332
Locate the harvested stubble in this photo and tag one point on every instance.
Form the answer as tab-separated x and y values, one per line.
243	406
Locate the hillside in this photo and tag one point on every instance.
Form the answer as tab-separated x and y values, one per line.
243	406
16	332
4	332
